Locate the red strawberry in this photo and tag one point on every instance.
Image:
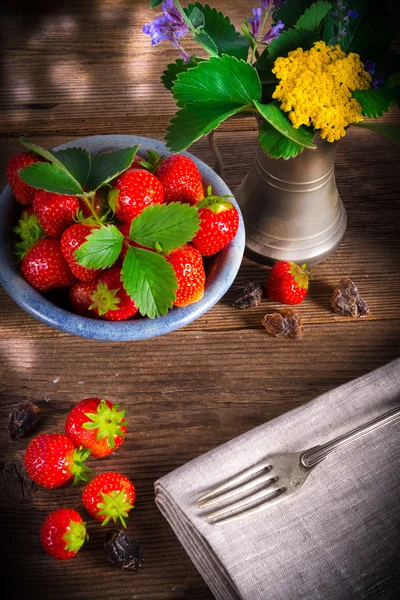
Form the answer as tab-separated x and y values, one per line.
110	300
28	231
55	212
45	268
133	191
189	270
109	496
80	297
63	533
97	207
287	283
72	238
23	192
51	460
180	179
96	424
219	222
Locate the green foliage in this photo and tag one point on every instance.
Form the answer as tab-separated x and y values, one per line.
376	101
206	42
291	11
50	177
291	40
101	249
196	17
108	165
277	118
76	161
277	145
313	17
172	71
154	3
389	130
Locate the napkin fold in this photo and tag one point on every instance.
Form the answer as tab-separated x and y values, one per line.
337	539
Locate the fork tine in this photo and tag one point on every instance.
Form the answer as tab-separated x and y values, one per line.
236	506
234	481
253	509
253	483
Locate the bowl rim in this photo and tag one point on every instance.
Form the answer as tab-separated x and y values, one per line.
31	301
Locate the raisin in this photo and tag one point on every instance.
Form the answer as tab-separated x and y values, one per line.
284	323
23	419
122	551
248	295
347	301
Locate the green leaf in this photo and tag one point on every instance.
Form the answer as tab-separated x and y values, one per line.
291	40
76	161
277	145
108	165
170	74
376	101
49	177
101	249
222	32
393	80
165	226
219	79
313	17
196	17
150	281
389	130
278	119
154	3
291	11
206	42
194	120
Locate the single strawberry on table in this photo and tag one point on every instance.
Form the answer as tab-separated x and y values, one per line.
133	191
44	266
189	270
287	283
63	533
219	222
109	496
51	460
23	192
72	238
109	299
97	424
181	179
55	212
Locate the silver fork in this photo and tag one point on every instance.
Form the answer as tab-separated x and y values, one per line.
277	477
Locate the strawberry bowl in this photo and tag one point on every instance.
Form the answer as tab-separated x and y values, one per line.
52	309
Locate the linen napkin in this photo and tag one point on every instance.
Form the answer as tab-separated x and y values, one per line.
338	538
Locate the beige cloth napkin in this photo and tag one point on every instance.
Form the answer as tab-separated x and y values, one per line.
337	539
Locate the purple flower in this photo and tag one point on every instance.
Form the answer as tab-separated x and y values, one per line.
273	33
353	14
378	81
370	66
168	26
266	4
256	22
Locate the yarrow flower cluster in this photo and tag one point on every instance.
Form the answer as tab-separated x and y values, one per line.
316	88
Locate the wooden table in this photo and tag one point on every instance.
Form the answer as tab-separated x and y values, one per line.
84	68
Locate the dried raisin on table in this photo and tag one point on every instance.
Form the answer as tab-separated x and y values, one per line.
121	551
346	300
284	323
23	419
248	295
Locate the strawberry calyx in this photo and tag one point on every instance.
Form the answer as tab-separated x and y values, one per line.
115	506
75	536
29	231
78	469
108	421
92	219
217	204
300	275
104	299
153	161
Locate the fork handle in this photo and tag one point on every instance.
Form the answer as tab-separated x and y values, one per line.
315	455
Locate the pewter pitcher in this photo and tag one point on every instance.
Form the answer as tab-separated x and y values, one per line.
291	208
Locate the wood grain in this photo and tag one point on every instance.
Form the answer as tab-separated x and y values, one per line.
76	69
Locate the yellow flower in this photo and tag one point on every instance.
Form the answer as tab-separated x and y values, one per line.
316	86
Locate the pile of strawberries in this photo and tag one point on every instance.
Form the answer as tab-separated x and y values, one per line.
94	427
53	227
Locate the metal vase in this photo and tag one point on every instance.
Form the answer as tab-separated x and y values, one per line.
291	208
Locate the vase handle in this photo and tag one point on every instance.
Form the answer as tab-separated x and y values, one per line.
219	165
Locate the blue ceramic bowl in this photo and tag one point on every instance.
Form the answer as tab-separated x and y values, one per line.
221	272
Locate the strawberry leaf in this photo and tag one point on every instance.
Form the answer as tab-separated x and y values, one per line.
154	3
108	165
165	226
277	118
313	17
150	281
170	74
290	40
51	178
196	17
375	101
277	145
206	42
101	249
76	161
389	130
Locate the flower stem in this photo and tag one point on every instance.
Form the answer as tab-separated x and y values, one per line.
256	40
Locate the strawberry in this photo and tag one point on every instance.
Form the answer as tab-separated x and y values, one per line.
51	460
72	238
80	298
28	231
133	191
108	496
180	179
97	205
23	192
96	424
189	270
287	283
219	222
109	299
63	533
55	212
44	266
